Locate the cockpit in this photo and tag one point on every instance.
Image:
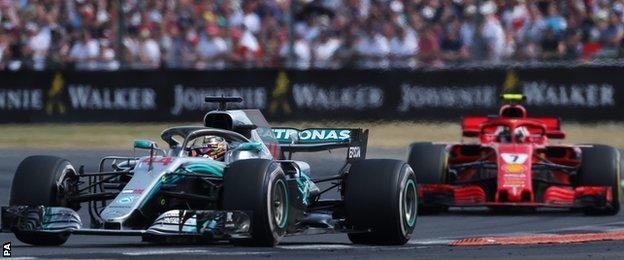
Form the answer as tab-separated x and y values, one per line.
513	131
211	143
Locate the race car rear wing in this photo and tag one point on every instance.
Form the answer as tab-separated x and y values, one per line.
471	125
292	140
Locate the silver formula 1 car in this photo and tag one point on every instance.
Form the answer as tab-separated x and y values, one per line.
252	194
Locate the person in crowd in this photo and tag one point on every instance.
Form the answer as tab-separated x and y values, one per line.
552	47
219	34
403	47
84	51
492	32
212	49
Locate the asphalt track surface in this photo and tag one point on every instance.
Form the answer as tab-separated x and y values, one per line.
429	240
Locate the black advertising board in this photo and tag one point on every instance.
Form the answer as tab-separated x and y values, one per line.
573	93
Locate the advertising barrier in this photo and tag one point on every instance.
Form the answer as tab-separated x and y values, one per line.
572	93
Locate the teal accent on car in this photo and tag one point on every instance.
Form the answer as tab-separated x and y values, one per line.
286	205
303	186
213	168
47	217
144	144
409	185
153	191
253	146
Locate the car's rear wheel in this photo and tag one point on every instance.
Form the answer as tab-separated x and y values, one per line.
600	166
430	163
258	186
381	200
43	181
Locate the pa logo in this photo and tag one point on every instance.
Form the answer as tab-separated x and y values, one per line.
6	249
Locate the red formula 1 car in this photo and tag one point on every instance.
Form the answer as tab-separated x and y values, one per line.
512	165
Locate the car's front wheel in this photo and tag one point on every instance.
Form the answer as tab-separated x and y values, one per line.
258	186
600	166
43	181
429	162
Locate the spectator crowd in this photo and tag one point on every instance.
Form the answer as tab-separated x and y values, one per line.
220	34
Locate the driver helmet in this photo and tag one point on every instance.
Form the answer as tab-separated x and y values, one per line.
503	134
210	146
521	134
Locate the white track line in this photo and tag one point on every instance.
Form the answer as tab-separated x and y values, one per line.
191	251
605	227
430	242
317	247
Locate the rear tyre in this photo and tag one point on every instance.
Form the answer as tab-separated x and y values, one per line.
258	186
43	181
600	166
429	162
381	197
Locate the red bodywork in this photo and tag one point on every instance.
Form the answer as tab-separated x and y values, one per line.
521	171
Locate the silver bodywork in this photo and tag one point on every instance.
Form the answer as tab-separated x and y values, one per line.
148	175
149	172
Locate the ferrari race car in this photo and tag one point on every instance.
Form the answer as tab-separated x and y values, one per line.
512	165
230	179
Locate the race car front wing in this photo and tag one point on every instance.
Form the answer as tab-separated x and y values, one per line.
553	197
172	225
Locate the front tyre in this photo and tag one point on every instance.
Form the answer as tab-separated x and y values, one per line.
258	186
381	199
43	181
600	166
429	162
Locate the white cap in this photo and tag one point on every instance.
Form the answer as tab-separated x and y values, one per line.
488	8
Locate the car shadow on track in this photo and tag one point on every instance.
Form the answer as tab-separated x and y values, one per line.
507	212
220	245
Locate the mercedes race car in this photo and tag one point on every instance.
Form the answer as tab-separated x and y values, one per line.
230	179
513	165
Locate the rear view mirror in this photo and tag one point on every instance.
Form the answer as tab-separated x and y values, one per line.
470	133
253	146
555	134
144	144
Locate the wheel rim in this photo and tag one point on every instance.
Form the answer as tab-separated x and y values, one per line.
66	188
409	203
279	203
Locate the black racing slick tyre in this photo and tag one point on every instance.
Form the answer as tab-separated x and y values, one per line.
43	181
258	186
429	162
600	166
381	199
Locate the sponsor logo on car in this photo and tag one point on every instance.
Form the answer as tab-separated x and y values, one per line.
312	135
132	191
354	152
513	168
514	157
127	199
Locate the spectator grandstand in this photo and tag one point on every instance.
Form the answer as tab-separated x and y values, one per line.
219	34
